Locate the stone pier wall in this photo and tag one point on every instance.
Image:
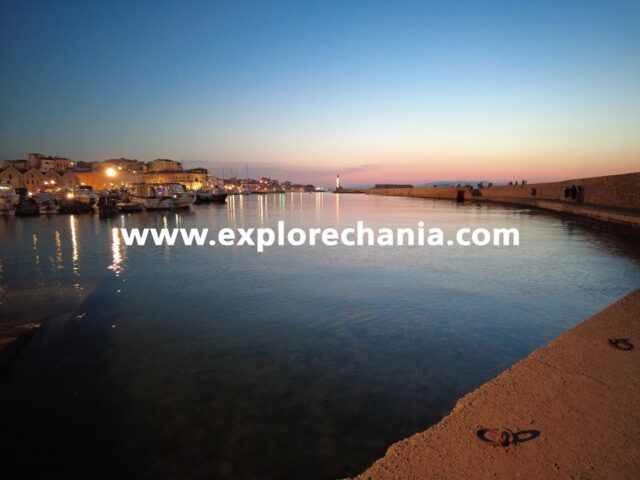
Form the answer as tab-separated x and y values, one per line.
614	199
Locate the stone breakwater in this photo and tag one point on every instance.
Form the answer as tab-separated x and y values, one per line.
569	410
612	201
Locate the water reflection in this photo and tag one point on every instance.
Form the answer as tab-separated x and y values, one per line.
261	208
34	242
2	285
346	349
231	210
117	253
59	260
74	245
319	197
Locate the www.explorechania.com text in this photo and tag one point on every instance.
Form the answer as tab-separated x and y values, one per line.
357	236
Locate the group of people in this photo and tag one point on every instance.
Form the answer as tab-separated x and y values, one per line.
573	193
469	186
524	182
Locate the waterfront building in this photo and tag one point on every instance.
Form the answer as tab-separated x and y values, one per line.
19	164
33	180
12	176
40	172
122	164
46	163
107	179
192	179
51	179
70	180
164	165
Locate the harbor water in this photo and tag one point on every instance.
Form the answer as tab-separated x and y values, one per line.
299	362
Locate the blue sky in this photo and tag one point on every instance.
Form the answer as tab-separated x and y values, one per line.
383	91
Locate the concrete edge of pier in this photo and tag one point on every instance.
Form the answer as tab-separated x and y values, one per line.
569	410
611	202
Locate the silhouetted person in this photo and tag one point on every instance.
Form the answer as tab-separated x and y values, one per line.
567	192
574	193
579	193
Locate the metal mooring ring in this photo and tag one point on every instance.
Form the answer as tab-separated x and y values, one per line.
621	343
497	437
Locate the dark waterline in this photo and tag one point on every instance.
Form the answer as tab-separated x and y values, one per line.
301	362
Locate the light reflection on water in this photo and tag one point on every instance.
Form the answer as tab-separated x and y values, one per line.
297	363
116	249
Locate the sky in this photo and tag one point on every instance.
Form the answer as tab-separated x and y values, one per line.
379	92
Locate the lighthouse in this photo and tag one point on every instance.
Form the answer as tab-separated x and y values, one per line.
338	187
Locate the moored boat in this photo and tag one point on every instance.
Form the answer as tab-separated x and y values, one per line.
48	203
9	199
27	206
210	195
161	196
78	200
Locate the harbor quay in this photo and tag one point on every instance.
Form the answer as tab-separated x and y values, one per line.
611	201
569	410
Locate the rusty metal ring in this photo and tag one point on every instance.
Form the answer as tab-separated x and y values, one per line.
497	437
621	344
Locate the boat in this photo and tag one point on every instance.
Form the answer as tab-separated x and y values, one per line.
78	200
161	196
210	195
27	206
9	199
85	194
111	203
107	202
48	203
127	207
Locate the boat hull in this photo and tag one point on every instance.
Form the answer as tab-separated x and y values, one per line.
211	198
166	203
8	202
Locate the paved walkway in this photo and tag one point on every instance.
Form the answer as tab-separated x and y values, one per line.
577	400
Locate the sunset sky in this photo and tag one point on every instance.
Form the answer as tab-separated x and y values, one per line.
376	91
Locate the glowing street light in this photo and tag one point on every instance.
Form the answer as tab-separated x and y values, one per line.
110	172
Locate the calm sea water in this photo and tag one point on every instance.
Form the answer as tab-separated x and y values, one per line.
302	362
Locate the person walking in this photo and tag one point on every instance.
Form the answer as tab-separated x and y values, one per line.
574	193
